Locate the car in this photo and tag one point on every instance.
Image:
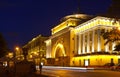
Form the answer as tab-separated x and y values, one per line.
116	67
108	65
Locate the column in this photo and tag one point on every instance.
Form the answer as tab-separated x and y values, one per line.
76	43
107	45
99	40
88	42
79	44
93	36
83	48
113	46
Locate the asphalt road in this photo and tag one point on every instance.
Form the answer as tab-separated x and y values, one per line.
55	72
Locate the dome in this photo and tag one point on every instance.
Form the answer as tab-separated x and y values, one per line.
76	16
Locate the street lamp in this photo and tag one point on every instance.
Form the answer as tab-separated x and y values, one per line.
18	52
17	48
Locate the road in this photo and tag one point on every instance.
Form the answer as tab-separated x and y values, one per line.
65	72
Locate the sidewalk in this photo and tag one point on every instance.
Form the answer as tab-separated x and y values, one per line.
6	74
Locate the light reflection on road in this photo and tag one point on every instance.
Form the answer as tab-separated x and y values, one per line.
61	71
68	72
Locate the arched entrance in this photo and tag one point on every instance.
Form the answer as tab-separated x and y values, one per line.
59	54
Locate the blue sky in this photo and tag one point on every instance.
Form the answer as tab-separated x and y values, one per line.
21	20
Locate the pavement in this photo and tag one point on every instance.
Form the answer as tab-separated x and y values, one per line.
25	75
12	74
38	74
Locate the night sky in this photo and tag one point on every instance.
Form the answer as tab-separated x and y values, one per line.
22	20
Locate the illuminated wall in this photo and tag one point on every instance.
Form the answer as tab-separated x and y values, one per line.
95	60
36	48
89	37
89	41
48	48
77	43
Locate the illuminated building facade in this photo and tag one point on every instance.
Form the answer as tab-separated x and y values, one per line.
77	41
36	49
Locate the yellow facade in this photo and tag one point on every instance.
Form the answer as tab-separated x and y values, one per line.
36	49
95	60
81	43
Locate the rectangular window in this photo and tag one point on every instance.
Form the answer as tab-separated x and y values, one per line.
111	60
85	48
80	62
119	60
86	63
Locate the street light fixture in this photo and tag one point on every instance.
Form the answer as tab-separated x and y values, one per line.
17	48
18	53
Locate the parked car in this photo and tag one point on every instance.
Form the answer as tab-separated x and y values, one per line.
108	65
116	67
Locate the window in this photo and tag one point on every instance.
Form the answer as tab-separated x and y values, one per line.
87	62
80	62
111	60
85	48
73	52
119	60
72	38
73	62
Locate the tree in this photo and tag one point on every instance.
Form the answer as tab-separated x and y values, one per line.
113	12
112	36
117	47
3	46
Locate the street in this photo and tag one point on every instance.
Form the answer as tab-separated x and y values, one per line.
64	72
52	71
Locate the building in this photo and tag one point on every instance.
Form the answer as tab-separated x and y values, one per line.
36	49
18	54
77	41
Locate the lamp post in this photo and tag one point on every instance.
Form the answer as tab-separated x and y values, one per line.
18	52
41	50
25	53
17	49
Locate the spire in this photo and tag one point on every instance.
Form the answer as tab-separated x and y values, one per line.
78	8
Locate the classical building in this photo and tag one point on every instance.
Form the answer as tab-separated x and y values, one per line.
77	41
36	49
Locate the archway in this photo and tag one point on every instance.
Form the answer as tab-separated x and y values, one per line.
59	54
59	50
